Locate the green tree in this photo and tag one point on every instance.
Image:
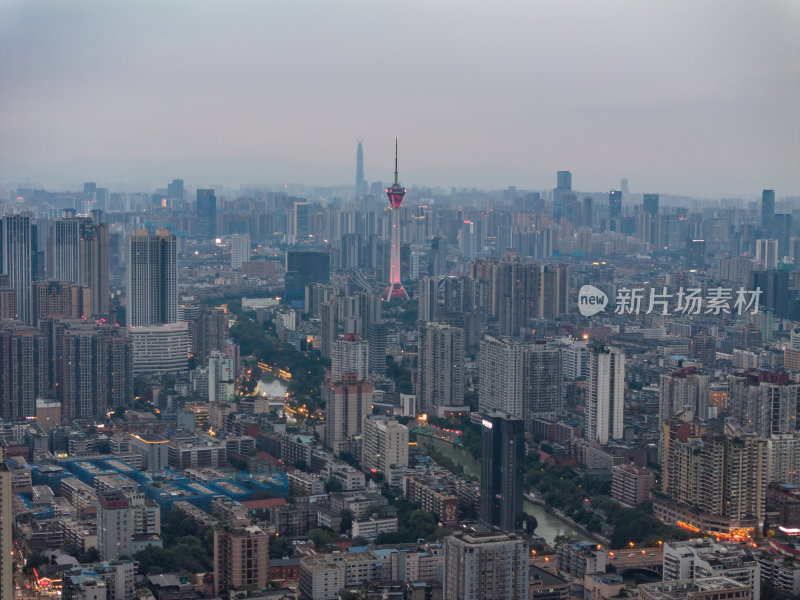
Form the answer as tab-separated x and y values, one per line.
320	537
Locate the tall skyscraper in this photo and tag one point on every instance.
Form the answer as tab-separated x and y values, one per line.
605	398
16	237
614	209
485	566
524	380
502	467
151	279
6	522
440	367
78	252
650	204
206	214
767	209
300	220
396	193
563	187
361	184
63	262
160	342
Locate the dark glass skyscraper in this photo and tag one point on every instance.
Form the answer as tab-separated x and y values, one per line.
206	214
767	208
502	466
563	187
650	204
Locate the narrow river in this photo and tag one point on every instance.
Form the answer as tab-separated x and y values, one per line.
549	526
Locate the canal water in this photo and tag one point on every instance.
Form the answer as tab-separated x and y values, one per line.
549	526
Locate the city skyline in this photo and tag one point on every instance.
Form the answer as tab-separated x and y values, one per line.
680	99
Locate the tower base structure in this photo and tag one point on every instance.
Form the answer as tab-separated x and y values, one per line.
395	291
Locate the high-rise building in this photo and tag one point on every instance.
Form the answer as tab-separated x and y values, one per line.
384	447
113	525
206	214
94	368
63	263
304	267
241	560
59	299
78	253
614	209
704	349
767	209
376	338
175	193
696	257
347	402
522	291
764	403
300	220
605	398
650	204
17	252
160	341
151	279
502	466
711	479
240	250
440	367
6	522
682	389
525	380
767	254
220	377
428	298
563	187
485	566
123	519
24	370
350	355
361	184
396	193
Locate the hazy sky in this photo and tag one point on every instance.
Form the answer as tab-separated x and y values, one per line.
680	96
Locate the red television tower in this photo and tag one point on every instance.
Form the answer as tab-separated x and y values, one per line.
396	193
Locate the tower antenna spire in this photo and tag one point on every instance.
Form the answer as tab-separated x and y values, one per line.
395	160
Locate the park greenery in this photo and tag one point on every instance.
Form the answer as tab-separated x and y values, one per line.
186	547
260	341
585	500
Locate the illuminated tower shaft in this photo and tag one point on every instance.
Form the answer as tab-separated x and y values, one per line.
396	193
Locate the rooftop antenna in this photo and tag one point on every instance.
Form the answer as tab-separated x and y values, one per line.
395	160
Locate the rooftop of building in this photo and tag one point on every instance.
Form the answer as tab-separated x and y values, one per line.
676	590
